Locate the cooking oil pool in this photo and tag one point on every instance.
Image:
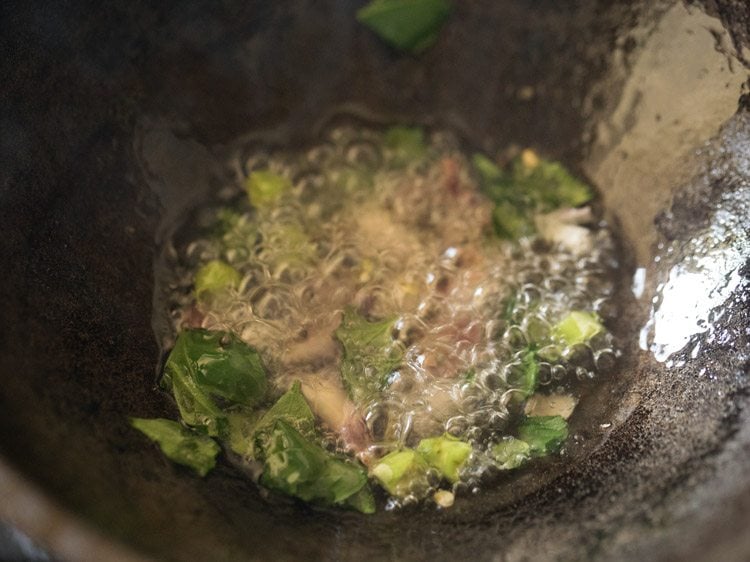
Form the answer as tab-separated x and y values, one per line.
402	238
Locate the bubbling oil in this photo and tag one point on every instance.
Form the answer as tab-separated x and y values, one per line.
409	240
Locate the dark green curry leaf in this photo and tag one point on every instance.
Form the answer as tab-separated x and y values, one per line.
180	444
523	378
205	366
196	407
369	354
549	184
292	408
488	170
532	185
248	427
407	25
300	468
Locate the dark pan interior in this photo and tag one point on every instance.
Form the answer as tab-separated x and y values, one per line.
116	118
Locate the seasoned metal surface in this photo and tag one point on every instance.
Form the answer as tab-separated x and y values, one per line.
115	118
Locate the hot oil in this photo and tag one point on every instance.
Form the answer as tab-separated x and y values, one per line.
366	227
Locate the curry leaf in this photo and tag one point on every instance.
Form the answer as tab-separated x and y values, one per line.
488	170
549	184
196	407
532	185
292	408
530	369
179	444
248	428
510	216
369	354
300	468
205	366
407	25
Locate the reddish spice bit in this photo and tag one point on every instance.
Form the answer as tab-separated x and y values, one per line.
450	173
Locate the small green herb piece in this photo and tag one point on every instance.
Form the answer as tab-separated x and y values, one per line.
544	434
235	233
205	365
510	222
406	144
214	277
530	367
403	473
407	25
287	243
363	501
511	453
241	423
353	178
509	307
488	170
549	183
369	354
226	220
577	327
300	468
179	444
445	453
265	188
510	216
